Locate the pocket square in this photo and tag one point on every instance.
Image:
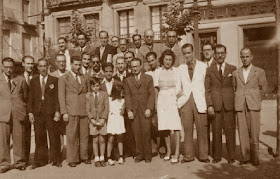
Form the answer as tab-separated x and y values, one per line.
229	75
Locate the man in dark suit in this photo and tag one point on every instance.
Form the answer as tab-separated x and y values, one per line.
220	102
13	94
83	46
43	112
250	85
140	101
105	51
28	64
72	90
137	43
173	45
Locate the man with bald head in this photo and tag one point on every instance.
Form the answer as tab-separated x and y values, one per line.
250	85
150	46
172	44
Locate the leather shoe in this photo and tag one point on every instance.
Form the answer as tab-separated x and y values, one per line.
72	164
97	164
21	168
4	169
205	160
103	163
138	160
36	165
256	163
161	155
54	163
148	160
216	161
86	161
154	154
186	160
244	162
59	164
231	161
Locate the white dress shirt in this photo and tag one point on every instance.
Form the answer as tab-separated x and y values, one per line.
75	76
26	76
223	67
109	85
246	72
121	75
102	48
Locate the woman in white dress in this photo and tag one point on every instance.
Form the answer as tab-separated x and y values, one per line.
167	110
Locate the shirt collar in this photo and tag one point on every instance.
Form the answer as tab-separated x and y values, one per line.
41	77
223	65
105	80
123	74
25	74
248	68
74	74
6	77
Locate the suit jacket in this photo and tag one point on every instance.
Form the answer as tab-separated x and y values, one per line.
194	86
102	110
50	103
88	48
179	59
109	49
13	102
72	95
139	94
115	82
250	92
219	91
158	48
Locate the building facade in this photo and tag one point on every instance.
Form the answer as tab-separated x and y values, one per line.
234	23
22	29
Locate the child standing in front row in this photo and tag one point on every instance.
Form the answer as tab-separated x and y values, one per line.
97	106
115	124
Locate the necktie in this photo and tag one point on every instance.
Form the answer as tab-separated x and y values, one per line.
207	64
43	87
220	71
28	79
9	83
95	99
77	79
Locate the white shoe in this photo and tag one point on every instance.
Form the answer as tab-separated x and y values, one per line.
111	162
121	161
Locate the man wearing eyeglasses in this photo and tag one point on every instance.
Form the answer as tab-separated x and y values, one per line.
208	54
95	70
172	44
220	104
150	46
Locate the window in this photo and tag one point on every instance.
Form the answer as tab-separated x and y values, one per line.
26	44
6	43
264	49
158	20
64	26
126	24
25	10
92	23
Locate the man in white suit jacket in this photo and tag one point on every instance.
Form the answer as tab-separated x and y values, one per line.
192	104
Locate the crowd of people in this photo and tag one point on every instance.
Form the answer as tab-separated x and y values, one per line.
112	102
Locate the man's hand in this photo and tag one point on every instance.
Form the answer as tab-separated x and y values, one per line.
180	94
93	122
148	113
56	116
130	115
31	118
210	111
102	122
65	117
88	95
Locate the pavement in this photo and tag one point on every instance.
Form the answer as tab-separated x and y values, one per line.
158	169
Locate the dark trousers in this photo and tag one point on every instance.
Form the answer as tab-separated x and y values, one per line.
17	129
249	130
142	133
189	116
223	120
42	124
77	132
27	135
129	142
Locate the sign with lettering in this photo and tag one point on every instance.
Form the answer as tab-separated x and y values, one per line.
236	10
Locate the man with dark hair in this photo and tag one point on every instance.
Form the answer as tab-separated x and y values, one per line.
208	53
115	41
220	104
137	43
72	90
140	101
173	45
128	56
250	85
105	51
149	46
28	64
60	61
43	112
123	48
192	104
86	63
13	97
83	46
95	70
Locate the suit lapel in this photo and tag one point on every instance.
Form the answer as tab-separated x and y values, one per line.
99	97
227	71
240	75
141	80
134	81
251	73
196	70
82	77
3	81
215	71
49	80
72	81
187	74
